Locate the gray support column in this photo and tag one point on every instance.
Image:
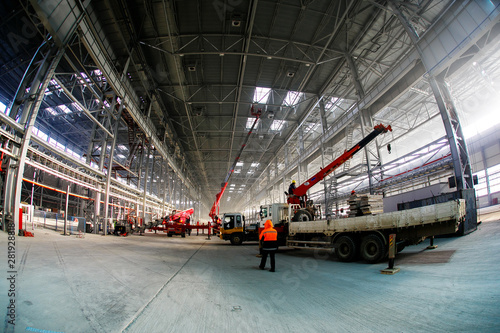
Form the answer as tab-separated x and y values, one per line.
146	175
486	175
91	145
300	153
139	175
97	207
324	124
175	192
161	187
28	117
153	175
456	140
361	94
66	207
110	164
286	156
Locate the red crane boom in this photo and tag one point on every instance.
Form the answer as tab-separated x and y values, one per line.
299	194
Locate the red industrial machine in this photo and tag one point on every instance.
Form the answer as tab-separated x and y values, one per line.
299	196
214	212
176	223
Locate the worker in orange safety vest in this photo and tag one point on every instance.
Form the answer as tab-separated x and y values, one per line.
269	238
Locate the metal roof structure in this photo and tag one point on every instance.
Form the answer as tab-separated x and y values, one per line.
178	80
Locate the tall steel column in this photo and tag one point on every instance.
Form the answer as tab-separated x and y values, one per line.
46	69
447	109
146	175
110	164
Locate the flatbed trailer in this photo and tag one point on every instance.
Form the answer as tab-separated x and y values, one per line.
368	235
186	228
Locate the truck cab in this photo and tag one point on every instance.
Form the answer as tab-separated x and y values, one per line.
277	213
234	229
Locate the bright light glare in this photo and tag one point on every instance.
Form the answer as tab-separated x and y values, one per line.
261	95
484	121
3	107
277	125
292	98
250	122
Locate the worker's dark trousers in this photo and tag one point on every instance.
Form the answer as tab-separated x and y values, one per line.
264	259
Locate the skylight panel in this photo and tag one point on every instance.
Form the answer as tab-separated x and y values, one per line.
64	108
250	123
261	95
51	111
292	98
277	125
330	102
3	108
54	84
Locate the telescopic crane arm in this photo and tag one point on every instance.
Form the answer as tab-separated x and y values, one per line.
215	207
301	191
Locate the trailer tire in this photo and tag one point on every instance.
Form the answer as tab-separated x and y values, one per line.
169	235
372	248
345	249
236	239
302	216
183	235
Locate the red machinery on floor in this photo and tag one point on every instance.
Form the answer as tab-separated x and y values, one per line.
176	223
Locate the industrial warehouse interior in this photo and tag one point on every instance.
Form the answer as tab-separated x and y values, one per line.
145	145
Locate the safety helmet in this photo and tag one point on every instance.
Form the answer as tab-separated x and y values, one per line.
293	181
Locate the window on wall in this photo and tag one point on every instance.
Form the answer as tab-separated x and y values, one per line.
481	187
494	178
41	135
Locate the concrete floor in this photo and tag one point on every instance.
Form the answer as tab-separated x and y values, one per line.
153	283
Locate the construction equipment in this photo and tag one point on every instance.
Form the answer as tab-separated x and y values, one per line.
214	211
299	222
305	210
176	223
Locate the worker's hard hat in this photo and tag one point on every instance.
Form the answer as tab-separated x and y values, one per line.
293	181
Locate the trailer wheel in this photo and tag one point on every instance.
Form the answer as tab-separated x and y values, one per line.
345	249
183	235
236	239
169	235
302	216
372	248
